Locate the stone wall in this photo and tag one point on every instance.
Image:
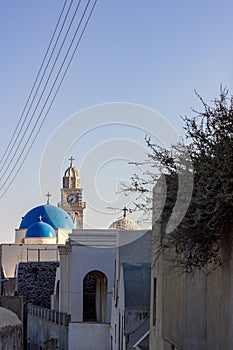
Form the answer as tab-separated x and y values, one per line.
36	282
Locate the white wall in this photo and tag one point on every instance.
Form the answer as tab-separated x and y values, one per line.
89	336
74	267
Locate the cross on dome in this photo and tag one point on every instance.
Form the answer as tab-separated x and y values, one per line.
124	223
40	217
125	211
48	195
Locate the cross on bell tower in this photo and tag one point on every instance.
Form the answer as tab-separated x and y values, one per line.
71	161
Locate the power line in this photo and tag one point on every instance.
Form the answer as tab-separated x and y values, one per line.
6	153
15	170
40	98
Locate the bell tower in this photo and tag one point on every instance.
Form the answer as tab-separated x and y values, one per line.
71	195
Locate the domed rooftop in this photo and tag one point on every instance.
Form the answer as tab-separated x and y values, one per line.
71	172
40	229
8	318
71	176
51	215
125	224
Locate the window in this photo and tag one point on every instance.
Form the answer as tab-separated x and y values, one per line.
154	301
89	298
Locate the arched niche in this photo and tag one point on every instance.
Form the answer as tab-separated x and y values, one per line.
95	297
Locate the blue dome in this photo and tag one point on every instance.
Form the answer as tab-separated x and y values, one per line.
40	229
54	216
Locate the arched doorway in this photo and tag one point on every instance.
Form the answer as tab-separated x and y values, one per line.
95	297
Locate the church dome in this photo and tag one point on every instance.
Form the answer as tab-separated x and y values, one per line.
125	224
8	319
40	229
51	215
71	172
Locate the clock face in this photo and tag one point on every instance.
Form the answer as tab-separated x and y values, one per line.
72	198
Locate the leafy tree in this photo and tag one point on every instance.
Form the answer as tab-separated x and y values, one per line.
207	226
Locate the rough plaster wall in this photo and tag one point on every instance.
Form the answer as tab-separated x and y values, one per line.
50	345
36	282
160	217
155	305
195	300
11	337
89	336
197	309
173	306
220	308
43	333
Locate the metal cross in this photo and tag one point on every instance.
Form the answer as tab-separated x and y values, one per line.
125	211
40	217
48	195
71	161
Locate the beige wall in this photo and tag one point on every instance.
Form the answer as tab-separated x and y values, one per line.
193	311
13	254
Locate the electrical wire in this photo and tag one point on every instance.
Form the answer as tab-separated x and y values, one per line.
16	171
6	154
40	98
44	105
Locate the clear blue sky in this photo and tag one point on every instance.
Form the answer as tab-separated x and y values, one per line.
148	52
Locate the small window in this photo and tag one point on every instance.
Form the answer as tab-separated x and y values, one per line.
111	343
154	301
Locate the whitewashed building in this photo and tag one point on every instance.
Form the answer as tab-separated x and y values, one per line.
101	278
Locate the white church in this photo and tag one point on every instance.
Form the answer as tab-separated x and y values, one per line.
100	297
